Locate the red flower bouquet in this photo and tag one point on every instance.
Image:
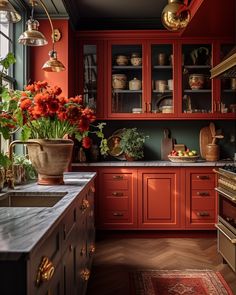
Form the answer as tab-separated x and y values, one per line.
43	113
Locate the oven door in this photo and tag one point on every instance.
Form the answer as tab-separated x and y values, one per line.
227	244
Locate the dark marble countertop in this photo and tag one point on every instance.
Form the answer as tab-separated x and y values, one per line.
21	228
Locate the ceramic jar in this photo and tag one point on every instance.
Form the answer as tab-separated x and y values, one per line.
135	84
136	60
122	60
196	81
161	85
161	59
119	81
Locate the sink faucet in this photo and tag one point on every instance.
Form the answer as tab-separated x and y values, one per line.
10	172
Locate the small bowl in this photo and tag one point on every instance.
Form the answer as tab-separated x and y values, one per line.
196	81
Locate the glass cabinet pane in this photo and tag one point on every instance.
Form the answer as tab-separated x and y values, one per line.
127	92
162	78
90	75
196	83
228	88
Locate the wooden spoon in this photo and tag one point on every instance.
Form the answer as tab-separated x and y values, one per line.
213	129
215	137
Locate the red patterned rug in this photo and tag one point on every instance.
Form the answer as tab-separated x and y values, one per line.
178	282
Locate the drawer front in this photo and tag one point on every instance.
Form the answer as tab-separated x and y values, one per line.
112	181
202	204
202	215
203	181
51	250
203	193
116	204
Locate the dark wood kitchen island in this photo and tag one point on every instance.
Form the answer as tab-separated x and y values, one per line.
46	247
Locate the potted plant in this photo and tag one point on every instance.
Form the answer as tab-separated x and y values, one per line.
132	143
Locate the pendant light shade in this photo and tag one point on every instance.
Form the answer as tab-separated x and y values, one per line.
8	13
32	37
175	15
53	64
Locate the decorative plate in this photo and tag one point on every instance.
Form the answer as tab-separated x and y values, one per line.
113	144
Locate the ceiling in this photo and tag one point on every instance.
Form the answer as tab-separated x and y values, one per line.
106	14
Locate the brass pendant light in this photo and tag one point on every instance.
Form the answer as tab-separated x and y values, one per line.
8	13
53	64
32	37
175	15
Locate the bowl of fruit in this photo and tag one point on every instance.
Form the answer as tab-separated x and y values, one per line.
189	156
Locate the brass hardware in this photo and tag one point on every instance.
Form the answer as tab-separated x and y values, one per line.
92	189
85	274
45	271
117	177
203	194
203	213
82	251
117	194
118	214
56	35
204	177
91	250
85	205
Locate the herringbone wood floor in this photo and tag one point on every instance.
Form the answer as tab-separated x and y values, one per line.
115	257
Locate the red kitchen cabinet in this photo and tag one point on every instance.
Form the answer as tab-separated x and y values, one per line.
159	199
117	204
117	88
200	198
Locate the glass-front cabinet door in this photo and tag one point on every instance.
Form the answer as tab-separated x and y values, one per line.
126	81
197	98
227	104
90	75
162	79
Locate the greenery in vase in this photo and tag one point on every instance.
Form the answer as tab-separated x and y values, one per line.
132	143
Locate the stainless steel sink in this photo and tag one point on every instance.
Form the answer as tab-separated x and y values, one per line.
30	199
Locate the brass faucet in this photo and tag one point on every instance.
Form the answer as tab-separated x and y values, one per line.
10	172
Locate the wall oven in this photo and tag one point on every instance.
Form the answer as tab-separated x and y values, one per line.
226	226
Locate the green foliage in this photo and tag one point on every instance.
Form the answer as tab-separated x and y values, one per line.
4	160
132	143
7	61
26	163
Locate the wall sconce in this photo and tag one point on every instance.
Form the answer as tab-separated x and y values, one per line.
8	13
175	15
33	37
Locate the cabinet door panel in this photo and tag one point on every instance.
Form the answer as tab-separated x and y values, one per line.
159	201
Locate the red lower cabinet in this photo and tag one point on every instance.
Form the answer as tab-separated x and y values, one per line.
159	199
117	199
200	198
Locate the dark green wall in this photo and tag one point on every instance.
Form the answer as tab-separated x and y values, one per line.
184	131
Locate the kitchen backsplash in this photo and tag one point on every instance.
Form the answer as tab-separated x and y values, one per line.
183	131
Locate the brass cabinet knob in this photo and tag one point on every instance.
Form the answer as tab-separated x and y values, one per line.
91	250
85	205
45	271
85	274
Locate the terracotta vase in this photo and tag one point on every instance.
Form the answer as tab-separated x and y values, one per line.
50	158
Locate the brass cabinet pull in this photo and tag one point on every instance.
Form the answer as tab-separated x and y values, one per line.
117	194
92	189
117	177
203	194
85	274
91	250
45	271
82	251
203	213
85	205
118	214
204	177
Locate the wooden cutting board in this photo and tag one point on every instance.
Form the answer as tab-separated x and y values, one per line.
166	145
205	137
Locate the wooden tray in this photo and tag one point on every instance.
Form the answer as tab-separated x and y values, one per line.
183	159
205	137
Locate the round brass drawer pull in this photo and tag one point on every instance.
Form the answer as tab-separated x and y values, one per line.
85	205
85	274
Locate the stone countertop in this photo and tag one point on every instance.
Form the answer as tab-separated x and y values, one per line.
198	163
22	227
